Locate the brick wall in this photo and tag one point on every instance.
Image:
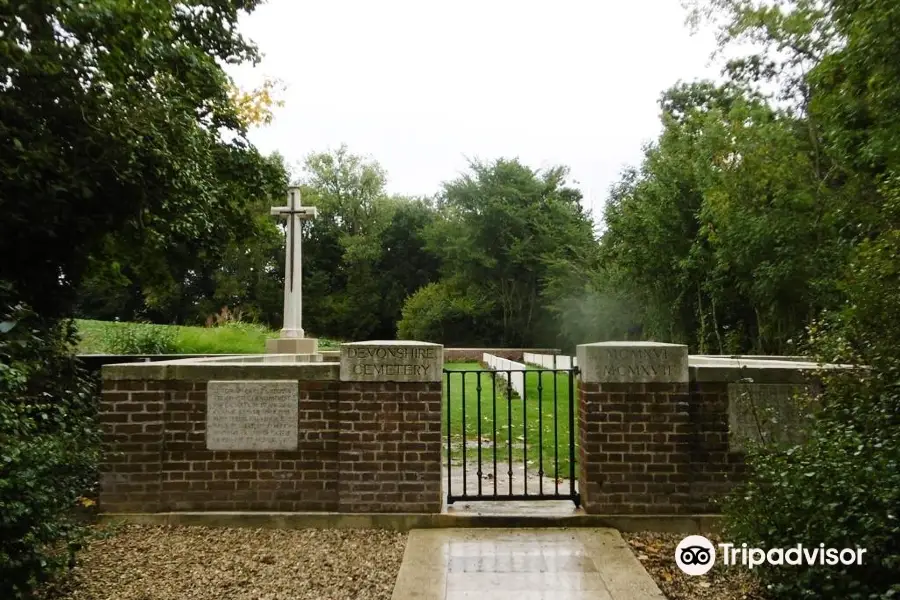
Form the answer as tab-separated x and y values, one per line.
714	469
362	447
635	440
390	447
133	421
654	448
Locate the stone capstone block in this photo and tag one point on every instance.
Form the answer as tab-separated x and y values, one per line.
633	362
400	361
292	346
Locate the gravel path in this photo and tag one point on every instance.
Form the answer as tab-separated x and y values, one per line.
656	551
199	563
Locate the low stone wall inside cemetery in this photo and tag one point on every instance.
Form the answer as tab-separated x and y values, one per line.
475	354
550	361
359	435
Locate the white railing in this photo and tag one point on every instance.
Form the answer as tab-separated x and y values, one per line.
550	361
516	379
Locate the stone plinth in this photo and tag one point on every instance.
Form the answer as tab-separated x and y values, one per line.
633	362
401	361
292	346
634	428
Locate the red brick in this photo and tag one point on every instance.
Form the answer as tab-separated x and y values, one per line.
326	473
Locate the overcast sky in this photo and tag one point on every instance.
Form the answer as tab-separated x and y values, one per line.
423	85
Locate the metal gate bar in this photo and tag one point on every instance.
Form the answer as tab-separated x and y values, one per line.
460	377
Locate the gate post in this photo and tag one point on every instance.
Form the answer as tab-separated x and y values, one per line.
389	437
634	428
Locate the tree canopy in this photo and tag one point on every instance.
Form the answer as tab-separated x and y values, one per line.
120	125
763	219
131	187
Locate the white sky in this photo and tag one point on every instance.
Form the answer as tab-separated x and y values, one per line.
420	85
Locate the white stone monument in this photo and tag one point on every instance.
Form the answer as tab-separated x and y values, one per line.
293	340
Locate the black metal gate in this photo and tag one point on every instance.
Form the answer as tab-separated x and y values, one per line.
510	434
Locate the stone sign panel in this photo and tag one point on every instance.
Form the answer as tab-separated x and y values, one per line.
391	361
633	362
252	415
768	414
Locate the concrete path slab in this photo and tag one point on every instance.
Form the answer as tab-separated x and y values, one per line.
515	479
521	564
514	508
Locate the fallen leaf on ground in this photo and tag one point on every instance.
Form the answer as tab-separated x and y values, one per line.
141	562
656	551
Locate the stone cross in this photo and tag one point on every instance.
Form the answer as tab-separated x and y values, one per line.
293	302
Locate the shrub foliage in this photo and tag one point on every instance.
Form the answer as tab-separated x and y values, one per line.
49	446
842	487
139	339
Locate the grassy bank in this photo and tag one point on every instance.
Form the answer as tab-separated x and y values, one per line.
102	337
536	427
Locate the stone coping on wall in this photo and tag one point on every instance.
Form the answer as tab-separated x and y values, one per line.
325	368
204	370
756	357
497	349
755	369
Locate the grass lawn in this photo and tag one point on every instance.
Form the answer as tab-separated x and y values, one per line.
533	425
102	337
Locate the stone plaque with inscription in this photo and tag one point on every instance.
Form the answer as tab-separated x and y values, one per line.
633	362
252	415
768	414
391	361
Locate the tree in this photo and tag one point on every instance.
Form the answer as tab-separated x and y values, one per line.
187	286
501	226
113	112
138	274
724	237
842	484
256	107
406	263
119	135
365	252
786	38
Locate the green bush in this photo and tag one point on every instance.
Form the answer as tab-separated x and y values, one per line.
49	447
139	338
841	488
439	313
232	337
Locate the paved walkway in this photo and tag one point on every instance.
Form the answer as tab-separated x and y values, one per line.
521	564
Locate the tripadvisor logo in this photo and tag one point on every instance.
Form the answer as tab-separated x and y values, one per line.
696	555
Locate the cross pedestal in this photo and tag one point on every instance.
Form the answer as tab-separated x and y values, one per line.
293	340
292	346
